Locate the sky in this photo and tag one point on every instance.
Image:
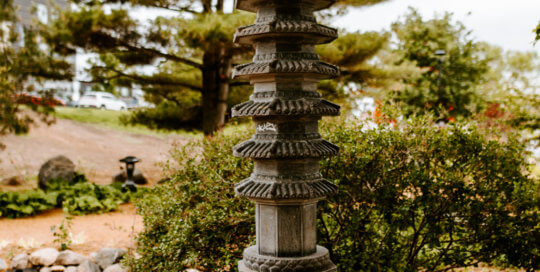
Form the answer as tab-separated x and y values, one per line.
507	23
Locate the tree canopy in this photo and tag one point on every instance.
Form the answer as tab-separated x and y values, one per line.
449	84
191	46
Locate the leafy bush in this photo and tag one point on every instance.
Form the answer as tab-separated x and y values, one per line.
414	198
166	115
194	220
428	198
26	203
76	196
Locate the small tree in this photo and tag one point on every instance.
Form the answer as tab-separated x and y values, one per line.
449	86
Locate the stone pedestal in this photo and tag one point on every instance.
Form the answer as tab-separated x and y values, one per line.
286	183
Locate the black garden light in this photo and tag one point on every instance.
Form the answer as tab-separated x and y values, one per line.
130	168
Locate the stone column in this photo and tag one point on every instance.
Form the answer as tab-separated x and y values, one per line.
286	183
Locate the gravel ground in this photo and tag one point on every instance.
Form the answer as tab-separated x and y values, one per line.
95	151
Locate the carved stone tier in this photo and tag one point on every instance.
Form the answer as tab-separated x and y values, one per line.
313	68
278	106
319	261
273	188
286	183
256	5
313	33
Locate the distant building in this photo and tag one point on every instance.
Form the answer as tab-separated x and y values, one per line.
25	8
30	10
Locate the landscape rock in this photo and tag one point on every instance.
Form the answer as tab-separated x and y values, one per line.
3	265
57	268
45	269
44	257
192	270
71	269
138	177
88	266
108	256
69	257
13	181
20	261
57	167
115	268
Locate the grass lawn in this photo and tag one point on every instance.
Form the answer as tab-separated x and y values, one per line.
111	120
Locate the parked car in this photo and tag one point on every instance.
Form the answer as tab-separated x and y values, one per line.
101	100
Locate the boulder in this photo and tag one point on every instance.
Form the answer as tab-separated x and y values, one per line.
20	261
57	268
57	167
45	269
71	269
88	266
44	257
115	268
138	177
69	257
108	256
3	265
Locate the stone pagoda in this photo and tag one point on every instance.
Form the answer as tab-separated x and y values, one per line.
286	183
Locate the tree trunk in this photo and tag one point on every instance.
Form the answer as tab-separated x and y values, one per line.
216	71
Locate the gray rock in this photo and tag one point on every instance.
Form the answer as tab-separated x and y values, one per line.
69	257
192	270
3	265
20	261
57	167
44	257
88	266
57	268
115	268
138	177
71	269
109	256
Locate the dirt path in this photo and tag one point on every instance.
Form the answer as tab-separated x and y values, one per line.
89	233
95	151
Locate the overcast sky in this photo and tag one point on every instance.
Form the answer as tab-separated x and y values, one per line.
507	23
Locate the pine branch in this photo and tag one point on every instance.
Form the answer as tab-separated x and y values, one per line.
161	54
145	80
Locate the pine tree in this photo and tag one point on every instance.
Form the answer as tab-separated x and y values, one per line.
194	50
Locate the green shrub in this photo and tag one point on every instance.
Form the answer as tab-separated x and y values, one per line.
414	198
167	115
194	220
428	198
77	197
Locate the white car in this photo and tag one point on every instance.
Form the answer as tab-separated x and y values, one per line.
101	100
